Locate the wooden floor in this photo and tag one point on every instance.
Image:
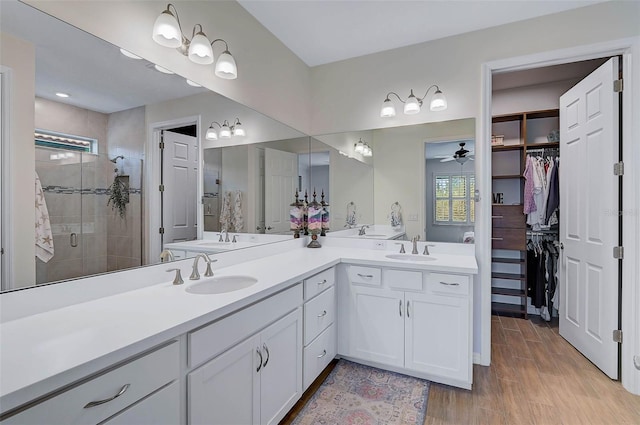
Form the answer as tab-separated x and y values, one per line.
535	377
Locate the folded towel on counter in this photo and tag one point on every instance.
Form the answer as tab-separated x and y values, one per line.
44	237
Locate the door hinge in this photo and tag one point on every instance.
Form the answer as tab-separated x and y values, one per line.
161	188
618	169
617	336
617	86
618	252
162	145
161	230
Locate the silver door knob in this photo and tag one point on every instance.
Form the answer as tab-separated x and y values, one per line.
269	228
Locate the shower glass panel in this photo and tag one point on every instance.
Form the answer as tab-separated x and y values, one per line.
89	236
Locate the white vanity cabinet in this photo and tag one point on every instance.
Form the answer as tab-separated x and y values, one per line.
319	324
416	322
125	392
257	380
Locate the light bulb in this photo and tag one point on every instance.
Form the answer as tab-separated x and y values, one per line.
367	151
225	131
438	101
211	134
226	66
412	105
166	30
388	110
238	130
359	147
200	50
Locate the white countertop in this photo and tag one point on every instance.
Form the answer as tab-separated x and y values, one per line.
43	352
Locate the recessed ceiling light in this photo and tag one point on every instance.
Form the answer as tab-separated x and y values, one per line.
129	54
193	83
60	94
163	70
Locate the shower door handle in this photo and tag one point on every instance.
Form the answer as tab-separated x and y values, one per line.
73	239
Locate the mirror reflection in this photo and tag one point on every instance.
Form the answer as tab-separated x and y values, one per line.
99	117
416	175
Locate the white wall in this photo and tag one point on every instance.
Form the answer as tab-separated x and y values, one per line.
271	79
17	62
347	95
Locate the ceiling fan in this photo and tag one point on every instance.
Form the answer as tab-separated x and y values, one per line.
461	156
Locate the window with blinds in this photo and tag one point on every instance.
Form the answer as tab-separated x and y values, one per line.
453	198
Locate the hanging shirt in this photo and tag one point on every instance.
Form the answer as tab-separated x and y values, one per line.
536	218
553	201
529	203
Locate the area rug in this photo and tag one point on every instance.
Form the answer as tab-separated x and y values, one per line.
363	395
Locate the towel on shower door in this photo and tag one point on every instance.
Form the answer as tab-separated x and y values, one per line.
238	220
44	237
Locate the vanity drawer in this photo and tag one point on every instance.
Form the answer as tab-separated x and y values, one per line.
319	313
403	279
211	340
448	284
160	408
359	275
509	216
318	355
319	282
133	381
509	239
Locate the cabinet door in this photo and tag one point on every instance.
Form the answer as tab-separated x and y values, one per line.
281	380
377	325
226	390
437	335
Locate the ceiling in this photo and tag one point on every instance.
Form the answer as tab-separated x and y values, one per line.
325	31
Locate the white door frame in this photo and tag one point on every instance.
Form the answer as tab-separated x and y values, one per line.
630	215
6	191
152	182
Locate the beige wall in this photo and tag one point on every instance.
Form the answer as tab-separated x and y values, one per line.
347	95
17	62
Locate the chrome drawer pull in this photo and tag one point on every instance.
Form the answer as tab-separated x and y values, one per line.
450	284
124	388
497	239
267	350
324	313
365	276
324	353
323	282
497	216
260	361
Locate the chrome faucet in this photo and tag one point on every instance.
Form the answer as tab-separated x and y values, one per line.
401	247
226	239
166	255
426	249
362	231
195	275
177	280
414	241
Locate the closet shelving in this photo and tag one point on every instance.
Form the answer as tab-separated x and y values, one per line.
521	131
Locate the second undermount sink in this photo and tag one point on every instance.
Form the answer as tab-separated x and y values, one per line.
410	257
222	285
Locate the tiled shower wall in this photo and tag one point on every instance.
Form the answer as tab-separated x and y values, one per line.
106	242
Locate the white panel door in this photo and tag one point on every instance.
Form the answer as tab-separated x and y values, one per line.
226	390
437	335
281	380
179	177
589	219
281	174
377	325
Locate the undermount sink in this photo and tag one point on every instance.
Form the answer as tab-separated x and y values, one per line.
214	243
222	285
410	257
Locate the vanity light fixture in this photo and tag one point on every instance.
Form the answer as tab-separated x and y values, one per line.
368	152
413	104
226	130
167	32
359	147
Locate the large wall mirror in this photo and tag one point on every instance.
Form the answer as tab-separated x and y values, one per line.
93	157
415	182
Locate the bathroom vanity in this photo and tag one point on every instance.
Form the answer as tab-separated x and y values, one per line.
161	353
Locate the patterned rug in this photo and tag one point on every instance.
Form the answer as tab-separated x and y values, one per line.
363	395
